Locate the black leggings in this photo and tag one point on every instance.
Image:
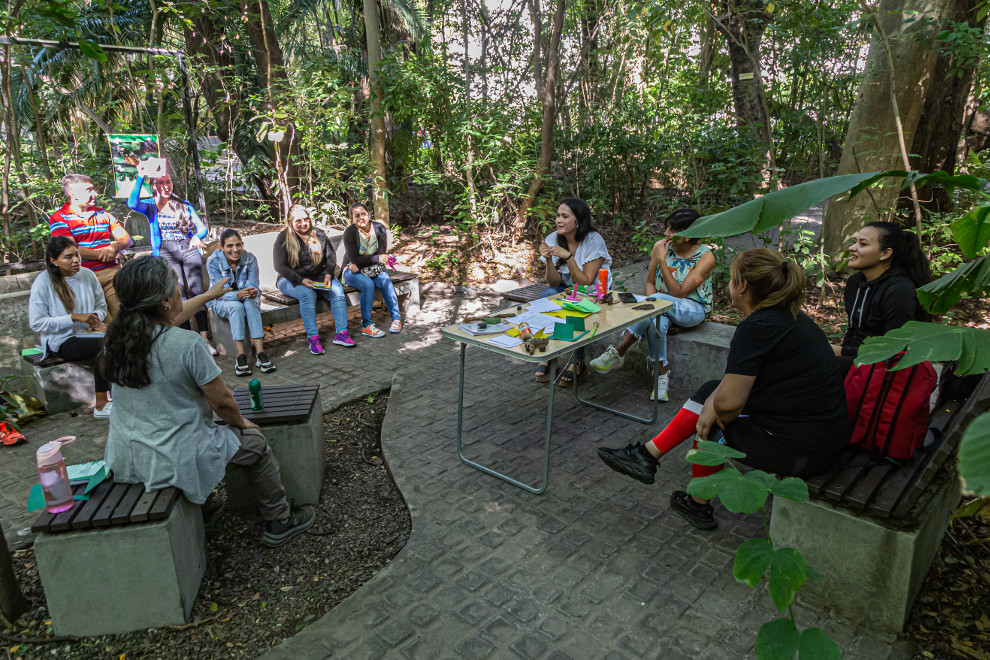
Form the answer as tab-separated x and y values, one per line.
187	264
765	451
87	350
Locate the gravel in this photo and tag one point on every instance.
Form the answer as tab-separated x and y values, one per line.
253	597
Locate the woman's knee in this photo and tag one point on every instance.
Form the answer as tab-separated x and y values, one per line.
705	391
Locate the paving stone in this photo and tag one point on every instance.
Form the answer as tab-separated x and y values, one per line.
529	646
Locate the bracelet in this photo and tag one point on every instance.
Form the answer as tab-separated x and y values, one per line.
567	258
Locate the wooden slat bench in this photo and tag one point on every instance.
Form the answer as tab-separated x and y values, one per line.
523	294
122	560
872	527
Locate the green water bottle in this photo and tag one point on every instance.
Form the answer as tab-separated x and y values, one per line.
257	403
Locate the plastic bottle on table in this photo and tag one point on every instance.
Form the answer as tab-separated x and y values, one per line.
53	475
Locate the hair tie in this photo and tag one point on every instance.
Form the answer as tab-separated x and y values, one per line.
783	267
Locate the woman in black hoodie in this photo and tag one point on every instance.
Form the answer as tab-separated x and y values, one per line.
882	296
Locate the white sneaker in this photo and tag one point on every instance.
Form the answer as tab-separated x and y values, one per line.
663	383
607	361
105	413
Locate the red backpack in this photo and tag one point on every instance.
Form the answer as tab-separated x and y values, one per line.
888	410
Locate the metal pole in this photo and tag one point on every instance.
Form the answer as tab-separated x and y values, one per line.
193	146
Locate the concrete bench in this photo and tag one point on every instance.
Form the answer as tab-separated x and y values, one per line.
58	384
279	308
123	560
872	528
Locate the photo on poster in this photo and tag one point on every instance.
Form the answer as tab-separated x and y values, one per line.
127	151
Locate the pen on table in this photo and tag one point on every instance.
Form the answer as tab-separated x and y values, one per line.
594	330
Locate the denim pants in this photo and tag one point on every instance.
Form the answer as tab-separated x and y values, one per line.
187	264
367	286
685	313
244	315
307	304
553	290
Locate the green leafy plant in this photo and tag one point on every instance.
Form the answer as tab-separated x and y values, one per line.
785	568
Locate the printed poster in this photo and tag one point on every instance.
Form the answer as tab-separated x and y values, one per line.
126	152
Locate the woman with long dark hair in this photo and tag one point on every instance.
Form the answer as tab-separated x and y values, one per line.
167	389
366	256
176	232
67	308
573	254
882	295
781	401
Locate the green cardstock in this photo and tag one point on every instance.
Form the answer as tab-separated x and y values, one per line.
576	322
563	332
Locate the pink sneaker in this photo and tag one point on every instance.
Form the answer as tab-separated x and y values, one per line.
315	347
343	339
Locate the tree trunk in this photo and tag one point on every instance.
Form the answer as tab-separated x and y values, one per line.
469	166
546	90
872	139
743	22
940	127
12	601
380	182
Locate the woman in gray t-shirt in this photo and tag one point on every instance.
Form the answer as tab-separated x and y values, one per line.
167	388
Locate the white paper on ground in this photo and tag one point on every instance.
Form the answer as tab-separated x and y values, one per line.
505	341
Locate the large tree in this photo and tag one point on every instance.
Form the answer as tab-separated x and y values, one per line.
905	33
380	173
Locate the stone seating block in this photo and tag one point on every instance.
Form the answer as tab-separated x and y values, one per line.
694	355
112	580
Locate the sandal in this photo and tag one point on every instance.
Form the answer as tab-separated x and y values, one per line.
542	373
579	367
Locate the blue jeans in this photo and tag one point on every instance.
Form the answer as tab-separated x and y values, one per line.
685	313
307	304
244	315
553	290
367	286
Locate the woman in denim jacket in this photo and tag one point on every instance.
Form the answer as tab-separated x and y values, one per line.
242	306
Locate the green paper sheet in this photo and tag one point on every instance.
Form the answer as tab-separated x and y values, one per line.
576	322
581	306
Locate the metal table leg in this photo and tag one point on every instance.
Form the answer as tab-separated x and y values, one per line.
546	442
656	400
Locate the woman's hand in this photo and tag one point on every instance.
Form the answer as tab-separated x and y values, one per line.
91	319
308	283
353	268
662	248
243	294
248	424
141	165
559	252
546	251
196	243
219	288
707	419
327	279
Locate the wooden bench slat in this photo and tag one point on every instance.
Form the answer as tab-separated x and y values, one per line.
143	506
110	502
122	514
846	478
164	503
870	484
817	485
525	294
83	519
44	521
63	521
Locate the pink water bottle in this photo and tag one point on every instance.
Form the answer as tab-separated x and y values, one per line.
53	475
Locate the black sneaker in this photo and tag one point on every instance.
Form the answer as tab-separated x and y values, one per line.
700	515
242	368
278	532
634	460
264	363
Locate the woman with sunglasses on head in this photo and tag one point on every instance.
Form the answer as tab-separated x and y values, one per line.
176	232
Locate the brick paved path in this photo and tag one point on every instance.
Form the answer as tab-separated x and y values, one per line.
596	567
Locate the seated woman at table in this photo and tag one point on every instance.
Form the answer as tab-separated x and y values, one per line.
573	254
365	247
242	306
781	401
167	389
680	272
306	263
66	303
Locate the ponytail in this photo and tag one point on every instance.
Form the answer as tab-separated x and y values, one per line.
776	283
141	286
56	246
907	253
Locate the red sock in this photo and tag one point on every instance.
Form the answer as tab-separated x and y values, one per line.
704	470
677	431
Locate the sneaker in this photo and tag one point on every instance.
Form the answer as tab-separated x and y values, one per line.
663	384
264	363
212	509
607	361
278	532
343	339
213	351
396	327
105	413
371	331
315	347
242	368
633	460
701	516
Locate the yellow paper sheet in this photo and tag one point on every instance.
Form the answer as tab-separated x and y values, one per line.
564	313
512	332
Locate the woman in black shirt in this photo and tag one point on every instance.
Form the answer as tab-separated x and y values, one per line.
781	401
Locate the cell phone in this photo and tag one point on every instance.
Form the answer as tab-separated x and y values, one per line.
626	297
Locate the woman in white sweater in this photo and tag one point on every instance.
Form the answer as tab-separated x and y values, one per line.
67	308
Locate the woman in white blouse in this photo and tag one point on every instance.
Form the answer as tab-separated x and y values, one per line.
67	308
573	255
